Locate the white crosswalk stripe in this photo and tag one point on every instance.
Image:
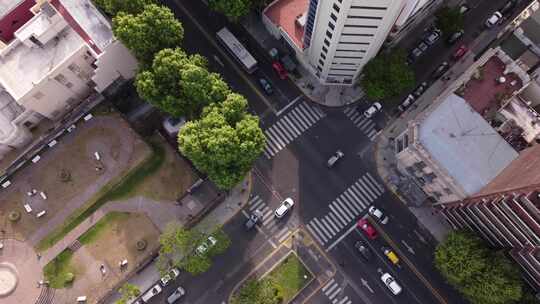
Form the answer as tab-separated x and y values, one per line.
254	199
315	235
327	226
340	210
325	287
334	294
374	183
322	228
331	289
344	300
256	205
317	232
348	209
362	199
336	212
337	220
290	126
348	197
370	186
370	192
367	126
331	223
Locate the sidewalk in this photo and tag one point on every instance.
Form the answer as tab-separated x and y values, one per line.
232	204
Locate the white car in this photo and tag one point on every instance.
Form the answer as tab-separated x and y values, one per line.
494	19
177	294
156	289
211	241
171	275
285	206
391	283
375	107
378	214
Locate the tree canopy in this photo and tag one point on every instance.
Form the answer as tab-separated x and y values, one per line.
224	142
387	76
449	20
129	292
483	276
148	32
113	7
232	9
180	84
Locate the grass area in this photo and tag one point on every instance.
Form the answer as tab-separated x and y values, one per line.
59	272
281	285
113	191
104	223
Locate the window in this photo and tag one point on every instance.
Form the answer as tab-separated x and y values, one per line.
69	85
323	56
336	69
350	57
355	51
328	34
365	17
35	41
61	79
379	8
321	62
360	35
336	8
324	49
333	17
38	95
362	43
331	25
319	68
447	191
27	124
74	68
71	101
326	42
360	26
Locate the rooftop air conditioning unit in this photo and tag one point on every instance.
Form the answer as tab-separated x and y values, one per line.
301	20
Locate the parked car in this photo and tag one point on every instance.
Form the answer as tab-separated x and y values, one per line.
391	255
285	206
432	35
407	102
334	158
171	275
156	289
460	52
176	295
455	37
464	8
369	231
440	70
266	86
172	125
493	19
375	107
508	7
203	248
417	52
420	89
364	250
279	69
253	219
422	46
391	283
378	215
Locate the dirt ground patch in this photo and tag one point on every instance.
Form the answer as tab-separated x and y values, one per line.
172	179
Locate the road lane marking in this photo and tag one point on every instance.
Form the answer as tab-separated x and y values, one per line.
314	234
328	284
334	286
334	210
289	105
351	229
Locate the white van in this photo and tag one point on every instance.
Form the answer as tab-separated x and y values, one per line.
151	293
177	294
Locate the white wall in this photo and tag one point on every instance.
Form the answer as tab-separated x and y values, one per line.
115	61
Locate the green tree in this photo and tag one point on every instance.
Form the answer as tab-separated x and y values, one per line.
232	9
387	76
449	20
224	142
113	7
482	276
129	292
148	32
180	84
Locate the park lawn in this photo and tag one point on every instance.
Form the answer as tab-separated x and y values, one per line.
58	271
289	277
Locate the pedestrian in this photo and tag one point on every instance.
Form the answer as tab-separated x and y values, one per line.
38	256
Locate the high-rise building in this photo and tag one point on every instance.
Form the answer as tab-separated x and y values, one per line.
333	39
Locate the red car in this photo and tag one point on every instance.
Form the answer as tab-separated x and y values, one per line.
280	70
462	50
370	232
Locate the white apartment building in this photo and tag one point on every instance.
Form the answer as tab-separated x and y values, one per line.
334	39
53	55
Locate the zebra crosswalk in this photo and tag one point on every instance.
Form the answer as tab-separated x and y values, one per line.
268	220
345	209
367	126
331	290
290	126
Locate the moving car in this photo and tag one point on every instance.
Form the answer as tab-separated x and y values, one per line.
378	215
266	86
171	275
370	232
391	255
176	295
493	20
420	89
211	241
375	107
156	289
334	158
279	69
406	103
461	50
285	206
364	251
253	219
172	125
440	70
391	283
455	37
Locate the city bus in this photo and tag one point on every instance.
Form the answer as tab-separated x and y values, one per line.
237	50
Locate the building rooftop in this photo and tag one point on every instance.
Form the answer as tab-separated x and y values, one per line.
523	116
486	91
284	13
464	144
23	66
13	15
513	46
7	5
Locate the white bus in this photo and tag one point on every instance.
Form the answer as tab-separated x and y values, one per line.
237	50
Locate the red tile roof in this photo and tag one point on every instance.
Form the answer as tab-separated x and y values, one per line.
16	18
283	13
483	93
